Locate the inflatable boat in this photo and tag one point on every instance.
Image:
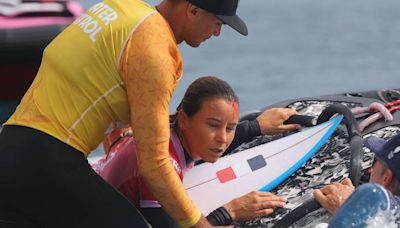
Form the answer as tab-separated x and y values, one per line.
343	154
26	27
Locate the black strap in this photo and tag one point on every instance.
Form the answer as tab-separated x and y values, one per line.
298	213
303	120
355	140
220	217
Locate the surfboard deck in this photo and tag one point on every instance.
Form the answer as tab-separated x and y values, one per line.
259	168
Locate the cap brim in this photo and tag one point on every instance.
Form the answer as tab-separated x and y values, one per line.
375	144
234	22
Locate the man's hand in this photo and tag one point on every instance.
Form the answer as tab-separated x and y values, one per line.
332	196
271	121
254	204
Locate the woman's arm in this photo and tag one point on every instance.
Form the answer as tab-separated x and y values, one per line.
268	122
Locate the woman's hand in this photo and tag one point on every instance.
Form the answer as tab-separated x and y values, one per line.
332	196
271	121
254	204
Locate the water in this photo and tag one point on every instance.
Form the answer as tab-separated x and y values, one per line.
299	48
383	218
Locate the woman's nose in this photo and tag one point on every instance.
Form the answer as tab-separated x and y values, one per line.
221	136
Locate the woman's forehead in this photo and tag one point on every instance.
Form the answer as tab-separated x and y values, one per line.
219	102
221	107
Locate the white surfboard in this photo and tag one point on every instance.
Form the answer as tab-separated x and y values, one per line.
259	168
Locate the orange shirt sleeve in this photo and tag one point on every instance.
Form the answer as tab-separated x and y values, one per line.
151	67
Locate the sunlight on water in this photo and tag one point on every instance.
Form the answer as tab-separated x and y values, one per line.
383	218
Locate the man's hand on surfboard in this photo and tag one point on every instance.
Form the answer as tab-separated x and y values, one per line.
332	196
271	121
254	204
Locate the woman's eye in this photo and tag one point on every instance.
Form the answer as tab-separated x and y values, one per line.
213	125
230	129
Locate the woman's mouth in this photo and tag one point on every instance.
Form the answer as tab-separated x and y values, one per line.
217	150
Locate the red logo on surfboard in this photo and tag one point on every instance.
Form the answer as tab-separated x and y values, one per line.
238	170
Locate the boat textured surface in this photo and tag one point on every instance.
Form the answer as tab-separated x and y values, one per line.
330	164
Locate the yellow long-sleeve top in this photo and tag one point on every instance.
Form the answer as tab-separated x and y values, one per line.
118	64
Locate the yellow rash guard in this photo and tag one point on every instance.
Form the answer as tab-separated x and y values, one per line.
118	64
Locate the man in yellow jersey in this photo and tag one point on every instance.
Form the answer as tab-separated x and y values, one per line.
117	65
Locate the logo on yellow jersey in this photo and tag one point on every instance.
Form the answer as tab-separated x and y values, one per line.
102	16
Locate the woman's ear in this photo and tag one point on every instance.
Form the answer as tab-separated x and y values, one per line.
182	120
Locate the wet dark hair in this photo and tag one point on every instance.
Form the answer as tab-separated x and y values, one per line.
202	89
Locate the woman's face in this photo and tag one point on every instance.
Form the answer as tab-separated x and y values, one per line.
208	133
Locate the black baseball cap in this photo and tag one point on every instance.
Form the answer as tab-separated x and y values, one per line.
225	10
388	151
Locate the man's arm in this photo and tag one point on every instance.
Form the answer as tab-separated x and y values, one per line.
150	68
